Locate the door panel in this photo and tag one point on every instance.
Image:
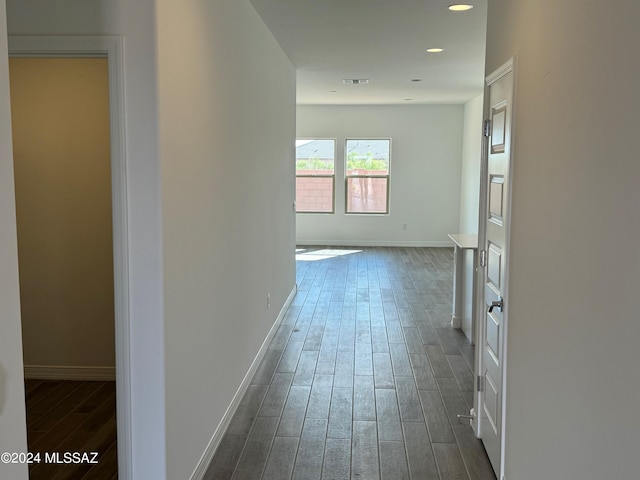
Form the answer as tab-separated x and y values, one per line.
494	265
496	194
491	402
493	334
492	278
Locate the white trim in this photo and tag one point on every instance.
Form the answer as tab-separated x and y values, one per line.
110	46
58	372
207	456
500	72
478	338
376	243
510	66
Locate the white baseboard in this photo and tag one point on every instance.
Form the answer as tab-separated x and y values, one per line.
58	372
376	243
207	456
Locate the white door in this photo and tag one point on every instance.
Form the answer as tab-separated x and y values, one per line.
492	278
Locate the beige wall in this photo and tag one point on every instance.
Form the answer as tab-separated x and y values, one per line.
60	118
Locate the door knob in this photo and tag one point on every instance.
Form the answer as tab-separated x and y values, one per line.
494	304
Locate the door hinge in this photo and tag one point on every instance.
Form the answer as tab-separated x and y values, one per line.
483	258
487	128
480	380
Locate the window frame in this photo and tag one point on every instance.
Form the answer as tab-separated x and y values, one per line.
319	175
347	177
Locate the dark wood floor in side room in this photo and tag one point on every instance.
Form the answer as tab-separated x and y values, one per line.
363	379
72	416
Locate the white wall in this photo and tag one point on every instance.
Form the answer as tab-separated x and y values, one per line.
13	435
470	169
227	126
135	21
469	199
425	174
215	139
573	381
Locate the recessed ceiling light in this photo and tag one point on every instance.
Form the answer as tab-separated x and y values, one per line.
435	50
460	7
408	99
416	79
333	91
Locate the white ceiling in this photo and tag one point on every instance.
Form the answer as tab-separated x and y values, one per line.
383	41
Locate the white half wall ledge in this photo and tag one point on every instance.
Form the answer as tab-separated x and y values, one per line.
376	243
207	456
58	372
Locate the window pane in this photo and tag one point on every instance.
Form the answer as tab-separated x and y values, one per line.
367	157
315	157
367	195
314	194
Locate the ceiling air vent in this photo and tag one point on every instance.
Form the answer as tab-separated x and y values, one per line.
355	81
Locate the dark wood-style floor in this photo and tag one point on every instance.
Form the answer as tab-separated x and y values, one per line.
68	416
363	379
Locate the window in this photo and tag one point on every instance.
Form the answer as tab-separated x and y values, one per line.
315	175
367	177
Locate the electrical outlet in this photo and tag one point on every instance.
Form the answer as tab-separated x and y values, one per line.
404	226
268	300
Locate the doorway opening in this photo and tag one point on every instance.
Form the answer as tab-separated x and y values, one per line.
492	274
60	125
70	179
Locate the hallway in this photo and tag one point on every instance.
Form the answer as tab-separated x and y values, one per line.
363	379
